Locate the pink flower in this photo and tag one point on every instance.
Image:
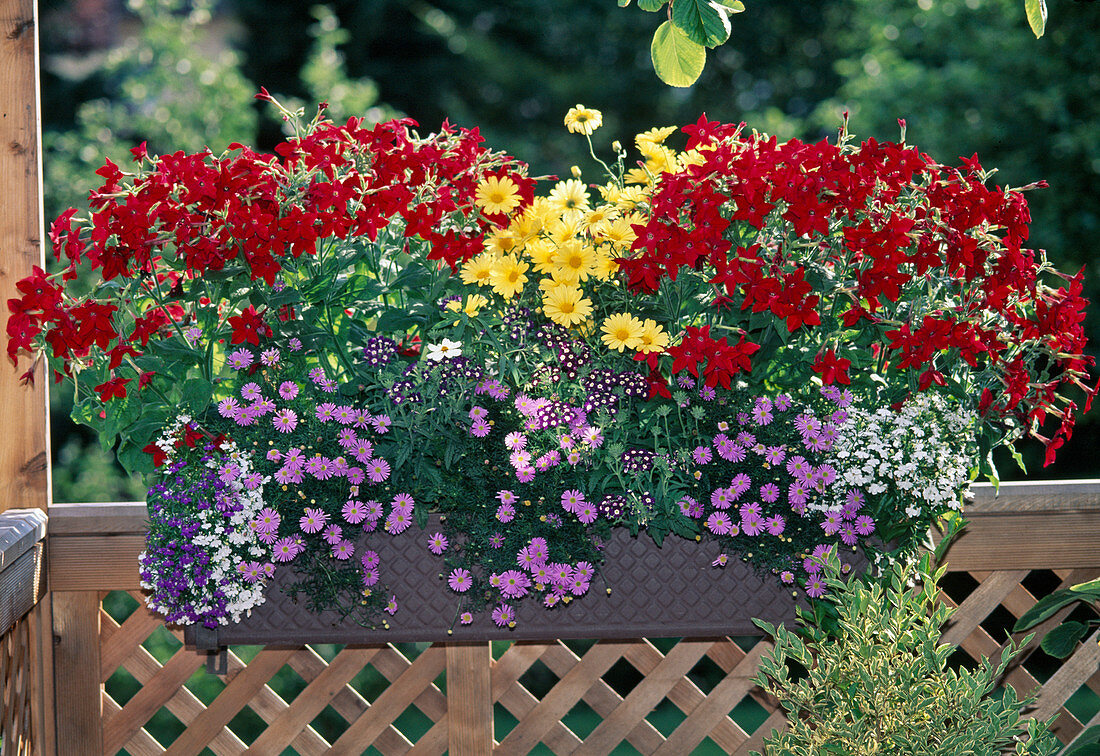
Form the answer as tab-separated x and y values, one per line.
466	618
267	520
514	584
325	411
333	534
701	454
815	587
775	524
370	576
313	520
571	500
515	441
720	498
285	550
478	413
345	415
288	390
506	497
391	606
525	474
285	420
721	561
378	470
719	523
506	513
381	423
403	502
587	513
480	429
343	550
752	524
398	522
370	559
504	615
437	543
460	580
354	511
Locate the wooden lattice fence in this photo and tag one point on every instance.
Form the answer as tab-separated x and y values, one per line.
562	697
664	696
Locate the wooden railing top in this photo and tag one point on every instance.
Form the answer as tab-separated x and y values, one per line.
1020	497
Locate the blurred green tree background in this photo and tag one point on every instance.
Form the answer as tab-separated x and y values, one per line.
967	75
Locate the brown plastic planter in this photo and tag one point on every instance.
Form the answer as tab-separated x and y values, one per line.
672	591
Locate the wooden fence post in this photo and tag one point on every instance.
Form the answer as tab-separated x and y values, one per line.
469	699
24	455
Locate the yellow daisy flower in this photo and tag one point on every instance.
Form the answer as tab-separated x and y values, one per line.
598	217
478	269
610	192
582	120
561	231
472	306
622	330
654	136
654	337
541	254
659	159
620	232
497	195
570	198
632	196
525	227
566	305
560	276
500	242
576	257
507	277
636	176
542	209
606	266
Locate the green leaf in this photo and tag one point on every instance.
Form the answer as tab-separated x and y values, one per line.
651	5
134	459
735	6
1045	607
704	23
1061	641
1036	16
394	320
677	60
1084	744
624	3
196	394
1089	586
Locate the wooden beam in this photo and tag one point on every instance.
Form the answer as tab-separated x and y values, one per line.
469	699
95	563
78	690
24	455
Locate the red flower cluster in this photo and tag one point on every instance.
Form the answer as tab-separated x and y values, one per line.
824	237
191	215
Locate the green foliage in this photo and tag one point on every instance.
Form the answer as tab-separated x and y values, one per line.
1036	16
679	48
881	682
1062	640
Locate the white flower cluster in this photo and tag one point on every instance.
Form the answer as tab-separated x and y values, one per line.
227	537
923	452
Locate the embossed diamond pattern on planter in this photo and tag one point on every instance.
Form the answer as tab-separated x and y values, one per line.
671	590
